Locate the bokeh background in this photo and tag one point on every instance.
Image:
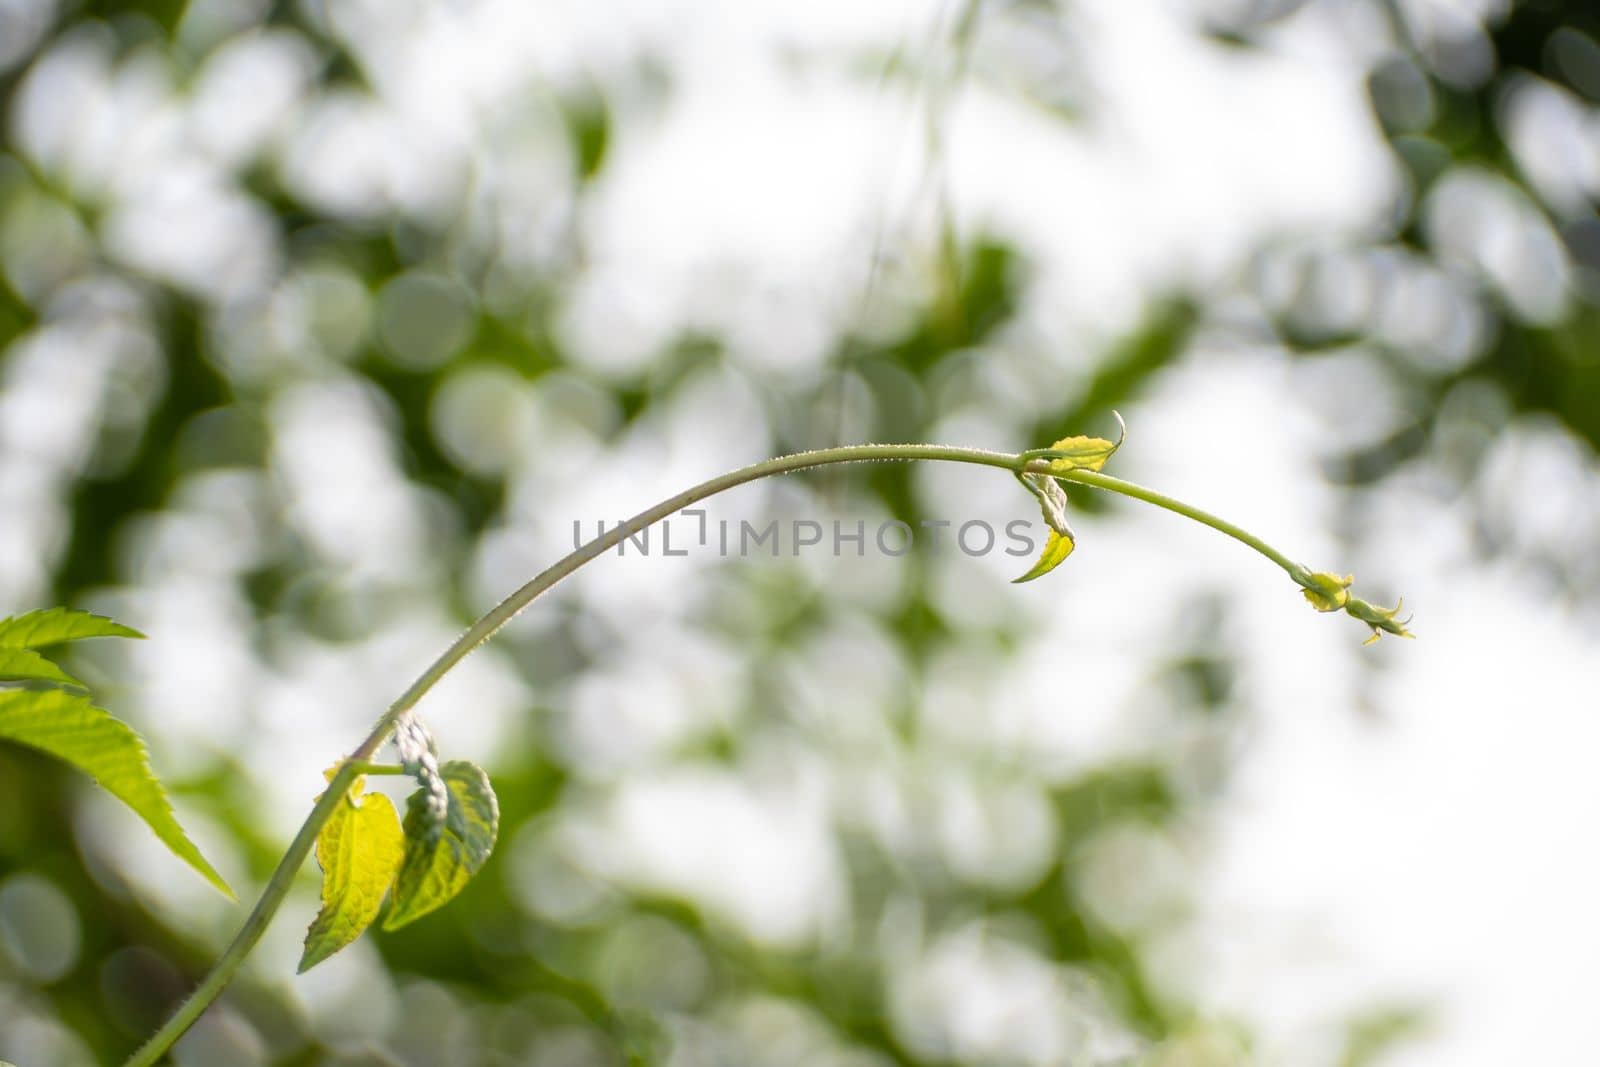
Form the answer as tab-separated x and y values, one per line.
322	322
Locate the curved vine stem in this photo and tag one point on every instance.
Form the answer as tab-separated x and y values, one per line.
277	888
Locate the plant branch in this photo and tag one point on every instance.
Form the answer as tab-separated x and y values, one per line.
359	760
277	888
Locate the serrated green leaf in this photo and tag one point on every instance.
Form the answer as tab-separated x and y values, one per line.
25	665
68	726
1056	549
360	850
51	626
441	858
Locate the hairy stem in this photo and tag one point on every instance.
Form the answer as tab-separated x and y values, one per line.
359	760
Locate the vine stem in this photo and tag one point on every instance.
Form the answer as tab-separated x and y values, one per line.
359	760
1161	500
364	767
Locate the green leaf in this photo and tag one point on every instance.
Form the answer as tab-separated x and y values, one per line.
1056	549
1053	506
68	726
360	850
443	855
52	626
25	665
1084	453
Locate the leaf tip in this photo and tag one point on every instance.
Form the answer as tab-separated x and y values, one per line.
210	874
1057	548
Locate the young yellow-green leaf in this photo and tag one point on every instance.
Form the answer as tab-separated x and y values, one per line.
1085	453
67	725
52	626
1053	506
1056	548
359	849
442	858
26	665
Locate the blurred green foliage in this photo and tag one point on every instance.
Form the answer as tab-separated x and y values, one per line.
653	977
